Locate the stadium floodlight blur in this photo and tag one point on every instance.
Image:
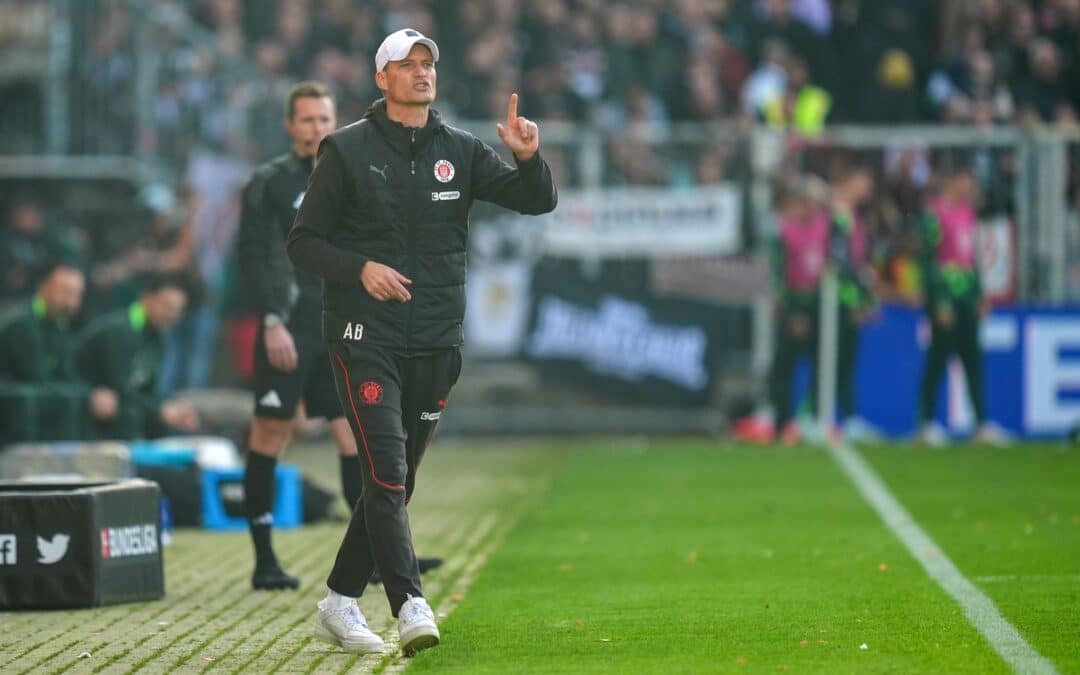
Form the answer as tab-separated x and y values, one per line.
643	301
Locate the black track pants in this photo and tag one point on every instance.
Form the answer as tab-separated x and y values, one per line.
393	403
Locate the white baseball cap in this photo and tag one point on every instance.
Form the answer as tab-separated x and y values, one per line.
396	46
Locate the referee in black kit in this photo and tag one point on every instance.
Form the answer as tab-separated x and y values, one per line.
291	361
385	224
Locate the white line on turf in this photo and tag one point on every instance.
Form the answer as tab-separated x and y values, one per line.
978	608
994	578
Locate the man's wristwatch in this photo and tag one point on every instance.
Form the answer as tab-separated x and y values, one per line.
270	320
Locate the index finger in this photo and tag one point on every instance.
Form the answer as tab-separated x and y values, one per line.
511	110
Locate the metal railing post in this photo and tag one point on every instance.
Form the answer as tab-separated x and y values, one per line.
57	106
1057	205
827	346
592	159
1025	199
147	67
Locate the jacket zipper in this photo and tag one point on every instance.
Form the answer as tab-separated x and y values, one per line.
409	226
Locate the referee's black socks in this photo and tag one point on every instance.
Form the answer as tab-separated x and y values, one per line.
259	503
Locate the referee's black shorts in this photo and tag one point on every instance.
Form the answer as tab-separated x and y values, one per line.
277	393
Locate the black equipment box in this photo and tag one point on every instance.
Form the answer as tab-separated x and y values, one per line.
79	544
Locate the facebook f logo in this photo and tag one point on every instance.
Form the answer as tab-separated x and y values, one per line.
8	549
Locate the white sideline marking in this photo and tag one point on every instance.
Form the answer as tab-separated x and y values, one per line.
978	608
993	578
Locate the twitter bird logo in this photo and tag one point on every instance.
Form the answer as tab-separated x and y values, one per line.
50	552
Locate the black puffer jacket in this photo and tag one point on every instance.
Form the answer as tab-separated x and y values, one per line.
401	197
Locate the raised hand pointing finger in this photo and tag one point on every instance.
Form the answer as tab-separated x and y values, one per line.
520	135
511	112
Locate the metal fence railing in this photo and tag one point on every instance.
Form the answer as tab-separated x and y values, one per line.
1066	253
27	31
121	77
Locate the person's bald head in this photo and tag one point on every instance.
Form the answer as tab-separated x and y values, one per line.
62	291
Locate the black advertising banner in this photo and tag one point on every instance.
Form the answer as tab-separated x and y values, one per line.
602	329
79	544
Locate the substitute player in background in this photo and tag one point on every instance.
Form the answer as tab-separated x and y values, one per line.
954	302
291	361
36	344
385	224
122	350
848	252
801	251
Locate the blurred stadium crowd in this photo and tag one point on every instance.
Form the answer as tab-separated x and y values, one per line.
223	66
608	63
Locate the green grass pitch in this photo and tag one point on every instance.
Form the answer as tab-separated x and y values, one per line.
636	556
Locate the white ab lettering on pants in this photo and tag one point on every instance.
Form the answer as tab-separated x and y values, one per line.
353	331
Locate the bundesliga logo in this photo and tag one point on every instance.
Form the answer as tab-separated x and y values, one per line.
122	542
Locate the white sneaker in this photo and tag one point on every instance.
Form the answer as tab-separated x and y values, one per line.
933	435
858	430
991	434
347	628
416	626
812	432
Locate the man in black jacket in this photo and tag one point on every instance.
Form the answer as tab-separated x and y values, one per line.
40	395
291	361
122	351
385	224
